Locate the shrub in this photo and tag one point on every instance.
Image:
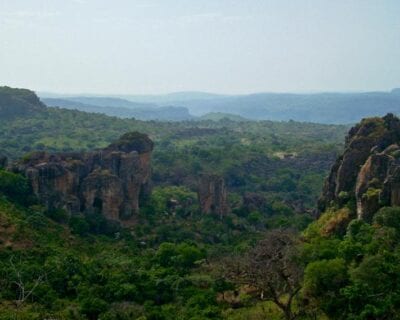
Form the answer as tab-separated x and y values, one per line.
15	187
78	225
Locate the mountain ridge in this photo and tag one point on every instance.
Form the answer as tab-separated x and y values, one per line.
318	107
137	111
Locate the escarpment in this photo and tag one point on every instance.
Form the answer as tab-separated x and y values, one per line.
108	181
368	171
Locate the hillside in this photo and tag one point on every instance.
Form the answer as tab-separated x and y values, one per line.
18	102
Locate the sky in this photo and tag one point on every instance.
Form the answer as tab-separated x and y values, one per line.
221	46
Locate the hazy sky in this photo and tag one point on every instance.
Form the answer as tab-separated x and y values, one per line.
226	46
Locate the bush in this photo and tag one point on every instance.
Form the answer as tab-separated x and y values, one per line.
181	256
323	280
93	307
388	217
78	225
58	215
15	187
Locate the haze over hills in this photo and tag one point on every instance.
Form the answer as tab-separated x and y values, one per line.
121	108
330	108
175	97
321	107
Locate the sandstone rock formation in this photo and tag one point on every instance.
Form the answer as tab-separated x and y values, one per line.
108	182
212	195
369	169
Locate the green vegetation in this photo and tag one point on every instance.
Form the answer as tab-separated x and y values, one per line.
355	275
13	186
172	263
283	162
18	102
56	266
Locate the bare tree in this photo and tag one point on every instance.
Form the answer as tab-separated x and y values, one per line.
24	291
271	269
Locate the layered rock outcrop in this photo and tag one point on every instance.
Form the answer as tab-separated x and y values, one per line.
212	195
369	169
108	181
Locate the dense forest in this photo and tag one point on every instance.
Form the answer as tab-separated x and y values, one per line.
275	254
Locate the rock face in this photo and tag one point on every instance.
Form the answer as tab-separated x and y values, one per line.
369	169
212	195
108	182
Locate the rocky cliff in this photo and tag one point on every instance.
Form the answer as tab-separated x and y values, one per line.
212	195
108	181
368	171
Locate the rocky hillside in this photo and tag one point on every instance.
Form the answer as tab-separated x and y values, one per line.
368	171
18	102
108	181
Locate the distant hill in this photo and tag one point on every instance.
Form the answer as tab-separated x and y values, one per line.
329	108
18	102
110	102
119	108
173	98
334	108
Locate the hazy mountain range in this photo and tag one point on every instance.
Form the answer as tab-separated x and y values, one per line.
335	108
121	108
